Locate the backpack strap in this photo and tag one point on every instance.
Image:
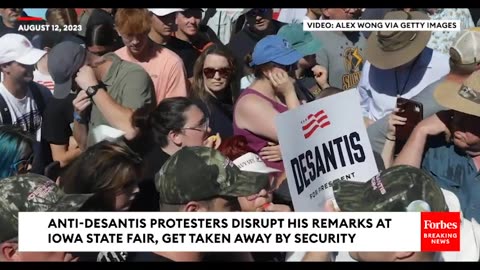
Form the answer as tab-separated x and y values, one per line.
5	112
37	96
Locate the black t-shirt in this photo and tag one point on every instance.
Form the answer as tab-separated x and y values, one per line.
243	43
147	198
57	118
146	257
186	51
220	114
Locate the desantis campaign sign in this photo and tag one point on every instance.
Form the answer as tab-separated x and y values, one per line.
322	141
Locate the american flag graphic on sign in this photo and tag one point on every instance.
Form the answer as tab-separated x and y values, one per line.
313	122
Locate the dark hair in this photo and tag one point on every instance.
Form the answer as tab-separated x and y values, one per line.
235	147
104	169
168	116
100	35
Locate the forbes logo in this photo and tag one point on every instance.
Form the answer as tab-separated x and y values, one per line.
440	231
430	225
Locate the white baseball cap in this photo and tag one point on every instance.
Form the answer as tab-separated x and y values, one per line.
16	47
251	162
164	11
465	49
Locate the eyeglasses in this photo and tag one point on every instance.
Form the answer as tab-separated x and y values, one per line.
223	72
258	12
202	127
21	166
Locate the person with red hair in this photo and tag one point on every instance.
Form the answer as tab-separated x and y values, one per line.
236	149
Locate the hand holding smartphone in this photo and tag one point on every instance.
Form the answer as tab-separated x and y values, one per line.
413	112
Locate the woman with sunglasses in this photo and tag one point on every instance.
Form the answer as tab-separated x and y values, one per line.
214	83
272	92
16	148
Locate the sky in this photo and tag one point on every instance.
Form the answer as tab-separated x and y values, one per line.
35	12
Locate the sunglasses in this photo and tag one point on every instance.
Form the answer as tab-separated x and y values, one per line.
223	72
258	12
21	166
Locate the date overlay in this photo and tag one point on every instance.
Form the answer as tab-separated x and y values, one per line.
50	28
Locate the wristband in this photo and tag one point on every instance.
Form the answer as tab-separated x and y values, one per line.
78	118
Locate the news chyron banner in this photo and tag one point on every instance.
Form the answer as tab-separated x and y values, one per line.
323	141
239	231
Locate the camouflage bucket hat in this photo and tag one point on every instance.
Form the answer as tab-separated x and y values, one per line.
202	173
32	193
397	189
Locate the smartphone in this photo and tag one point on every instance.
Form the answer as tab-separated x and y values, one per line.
413	111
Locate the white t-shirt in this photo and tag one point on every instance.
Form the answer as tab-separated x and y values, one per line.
24	112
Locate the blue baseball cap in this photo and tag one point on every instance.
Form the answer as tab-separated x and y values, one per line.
275	49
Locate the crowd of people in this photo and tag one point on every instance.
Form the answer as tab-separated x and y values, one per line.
174	110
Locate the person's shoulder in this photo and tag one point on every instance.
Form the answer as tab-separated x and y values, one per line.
252	99
44	91
122	52
169	55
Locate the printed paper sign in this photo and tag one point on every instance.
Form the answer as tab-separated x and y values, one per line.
322	141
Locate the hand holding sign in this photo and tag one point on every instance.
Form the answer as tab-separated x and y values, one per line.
321	142
271	152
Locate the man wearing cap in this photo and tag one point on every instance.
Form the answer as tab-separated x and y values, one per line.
163	24
400	189
342	53
464	60
211	184
112	87
191	37
165	68
259	24
399	65
454	164
31	193
22	101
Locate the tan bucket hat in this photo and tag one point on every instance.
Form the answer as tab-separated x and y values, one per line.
391	49
459	97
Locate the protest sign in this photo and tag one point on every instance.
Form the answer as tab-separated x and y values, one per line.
322	141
